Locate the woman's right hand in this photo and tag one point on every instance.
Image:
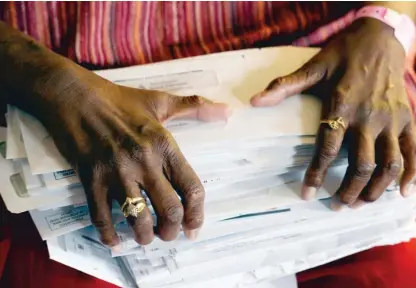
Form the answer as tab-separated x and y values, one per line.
113	137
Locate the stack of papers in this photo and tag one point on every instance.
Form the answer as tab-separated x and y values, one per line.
257	228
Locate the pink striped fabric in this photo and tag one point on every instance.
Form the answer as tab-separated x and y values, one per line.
107	34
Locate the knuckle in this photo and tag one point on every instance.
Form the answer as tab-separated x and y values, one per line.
314	177
313	69
143	223
329	151
133	144
363	171
173	215
194	222
193	100
143	128
275	83
393	168
143	227
195	194
142	151
91	97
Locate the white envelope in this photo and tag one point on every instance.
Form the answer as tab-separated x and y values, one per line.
30	181
20	203
15	148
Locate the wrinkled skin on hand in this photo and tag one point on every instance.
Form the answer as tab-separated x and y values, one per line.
359	76
113	136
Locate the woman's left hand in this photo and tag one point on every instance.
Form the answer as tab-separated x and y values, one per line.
362	69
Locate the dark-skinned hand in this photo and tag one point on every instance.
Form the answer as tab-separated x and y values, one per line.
114	138
359	76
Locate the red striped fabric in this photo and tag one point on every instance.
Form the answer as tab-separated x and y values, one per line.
107	34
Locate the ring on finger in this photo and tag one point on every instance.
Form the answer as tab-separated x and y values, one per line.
334	124
133	206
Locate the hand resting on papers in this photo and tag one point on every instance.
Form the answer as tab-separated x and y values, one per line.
114	138
112	135
359	77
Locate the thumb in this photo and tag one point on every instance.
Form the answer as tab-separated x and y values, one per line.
297	82
196	107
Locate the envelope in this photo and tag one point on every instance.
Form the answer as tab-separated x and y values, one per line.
16	203
15	148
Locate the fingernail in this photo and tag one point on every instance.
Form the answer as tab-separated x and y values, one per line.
336	205
308	193
192	234
357	204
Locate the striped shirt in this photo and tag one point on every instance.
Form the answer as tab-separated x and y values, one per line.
114	34
102	34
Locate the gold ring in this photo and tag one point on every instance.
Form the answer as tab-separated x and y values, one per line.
334	124
133	206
